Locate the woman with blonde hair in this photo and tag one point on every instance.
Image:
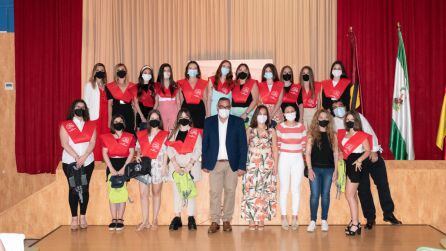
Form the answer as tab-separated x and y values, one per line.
322	163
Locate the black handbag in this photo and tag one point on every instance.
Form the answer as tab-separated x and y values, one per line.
117	181
135	169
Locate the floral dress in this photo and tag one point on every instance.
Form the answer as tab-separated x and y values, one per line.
259	183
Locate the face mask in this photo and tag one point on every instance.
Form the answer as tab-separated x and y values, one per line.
339	112
154	123
99	74
192	73
224	71
223	113
286	77
79	112
184	122
121	73
242	75
291	116
261	119
323	123
336	73
306	77
350	124
166	75
268	75
146	77
119	126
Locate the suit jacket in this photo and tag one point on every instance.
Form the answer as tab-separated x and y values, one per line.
236	143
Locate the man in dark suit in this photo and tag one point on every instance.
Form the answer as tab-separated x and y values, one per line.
224	150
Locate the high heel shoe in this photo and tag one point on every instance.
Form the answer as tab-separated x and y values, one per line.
84	223
356	232
143	226
348	226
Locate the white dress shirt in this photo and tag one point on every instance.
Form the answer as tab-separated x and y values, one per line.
366	127
222	130
91	96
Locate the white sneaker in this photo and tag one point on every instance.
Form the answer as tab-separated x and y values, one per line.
312	226
324	226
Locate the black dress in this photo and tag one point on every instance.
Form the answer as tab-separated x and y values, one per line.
124	109
197	112
145	111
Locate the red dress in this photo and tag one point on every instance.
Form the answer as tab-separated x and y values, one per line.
102	125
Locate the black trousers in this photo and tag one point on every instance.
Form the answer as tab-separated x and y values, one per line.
73	197
378	173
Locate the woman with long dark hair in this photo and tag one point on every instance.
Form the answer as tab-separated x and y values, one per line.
220	85
194	90
167	96
292	92
337	88
271	93
146	96
78	139
311	94
245	94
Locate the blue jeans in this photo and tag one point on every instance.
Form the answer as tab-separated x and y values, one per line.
320	187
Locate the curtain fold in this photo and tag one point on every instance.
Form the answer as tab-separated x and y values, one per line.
48	44
294	32
424	32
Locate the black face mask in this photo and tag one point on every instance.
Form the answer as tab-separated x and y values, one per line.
119	126
121	73
154	123
184	122
286	77
99	74
350	124
79	112
323	123
306	77
242	75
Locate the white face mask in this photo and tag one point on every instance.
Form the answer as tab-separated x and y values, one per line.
336	73
261	119
339	112
166	75
290	116
146	77
223	113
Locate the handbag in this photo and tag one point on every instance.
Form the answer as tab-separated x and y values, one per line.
135	169
117	194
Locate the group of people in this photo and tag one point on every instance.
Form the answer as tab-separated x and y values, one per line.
228	126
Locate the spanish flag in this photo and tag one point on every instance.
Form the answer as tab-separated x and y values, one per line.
355	89
442	127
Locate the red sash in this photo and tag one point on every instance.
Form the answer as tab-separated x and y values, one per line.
195	95
292	95
125	96
335	92
353	142
118	147
270	97
241	95
189	143
151	149
166	93
224	87
147	99
76	135
307	99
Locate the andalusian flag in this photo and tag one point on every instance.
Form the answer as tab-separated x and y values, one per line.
401	143
442	127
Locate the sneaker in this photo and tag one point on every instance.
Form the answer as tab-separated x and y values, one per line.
324	226
120	225
112	225
312	226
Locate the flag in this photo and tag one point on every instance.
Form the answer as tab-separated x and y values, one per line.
401	142
442	127
355	89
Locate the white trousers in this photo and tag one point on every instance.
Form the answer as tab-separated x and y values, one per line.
178	202
291	171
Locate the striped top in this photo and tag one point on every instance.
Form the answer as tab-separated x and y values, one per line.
291	139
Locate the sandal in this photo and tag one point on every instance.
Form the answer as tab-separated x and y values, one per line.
143	226
74	224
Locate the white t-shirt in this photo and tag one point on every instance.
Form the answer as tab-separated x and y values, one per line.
79	148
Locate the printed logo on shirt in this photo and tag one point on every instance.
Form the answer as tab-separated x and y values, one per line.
197	93
125	141
274	94
294	90
70	127
245	91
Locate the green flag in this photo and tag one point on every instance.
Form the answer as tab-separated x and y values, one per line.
401	142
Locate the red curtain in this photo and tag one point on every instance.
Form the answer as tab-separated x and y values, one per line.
423	25
48	47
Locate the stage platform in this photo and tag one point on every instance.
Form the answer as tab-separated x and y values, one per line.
382	237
